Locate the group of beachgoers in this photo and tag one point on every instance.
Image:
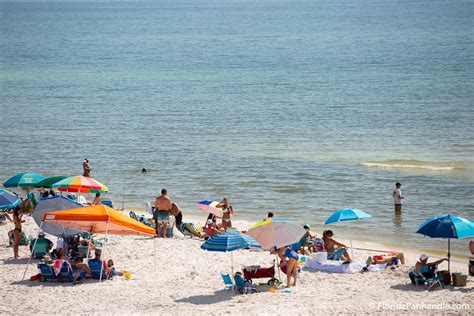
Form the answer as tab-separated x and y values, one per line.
167	215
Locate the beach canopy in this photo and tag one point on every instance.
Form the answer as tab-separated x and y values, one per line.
80	184
8	200
230	241
210	207
54	204
98	219
23	180
276	232
347	214
447	226
48	182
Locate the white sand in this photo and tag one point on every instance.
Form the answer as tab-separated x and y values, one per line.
186	280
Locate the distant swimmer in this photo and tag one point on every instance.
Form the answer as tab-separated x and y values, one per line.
144	171
397	197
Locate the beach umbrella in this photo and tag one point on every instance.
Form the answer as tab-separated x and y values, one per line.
276	232
79	184
8	200
48	182
345	215
210	207
447	226
97	219
228	242
23	180
54	204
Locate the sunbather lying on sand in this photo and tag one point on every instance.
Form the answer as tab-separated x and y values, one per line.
390	257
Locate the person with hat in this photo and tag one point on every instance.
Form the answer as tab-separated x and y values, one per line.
42	246
424	262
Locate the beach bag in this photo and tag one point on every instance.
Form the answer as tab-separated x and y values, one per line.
23	240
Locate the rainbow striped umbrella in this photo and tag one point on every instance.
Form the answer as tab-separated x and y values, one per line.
79	184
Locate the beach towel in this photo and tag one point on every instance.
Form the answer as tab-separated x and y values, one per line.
334	266
58	263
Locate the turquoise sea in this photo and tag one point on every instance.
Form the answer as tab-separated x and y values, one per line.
298	107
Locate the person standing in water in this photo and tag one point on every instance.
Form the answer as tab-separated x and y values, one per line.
397	197
87	168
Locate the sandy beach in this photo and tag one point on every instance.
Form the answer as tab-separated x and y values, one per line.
184	279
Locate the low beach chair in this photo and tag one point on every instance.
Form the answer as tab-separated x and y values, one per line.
67	274
229	285
47	273
41	248
244	287
427	277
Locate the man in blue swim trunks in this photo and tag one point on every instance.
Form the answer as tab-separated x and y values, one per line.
163	206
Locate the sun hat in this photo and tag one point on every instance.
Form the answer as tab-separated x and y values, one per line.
424	257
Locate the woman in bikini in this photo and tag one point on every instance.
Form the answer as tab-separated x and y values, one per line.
17	220
292	264
228	211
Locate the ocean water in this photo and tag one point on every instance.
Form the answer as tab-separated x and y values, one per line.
296	107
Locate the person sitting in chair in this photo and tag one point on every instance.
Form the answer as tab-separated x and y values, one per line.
42	246
109	268
335	248
424	262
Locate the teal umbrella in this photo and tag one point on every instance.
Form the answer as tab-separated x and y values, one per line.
345	215
23	180
447	226
48	182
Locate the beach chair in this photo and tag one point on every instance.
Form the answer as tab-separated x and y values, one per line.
68	275
95	266
23	241
427	277
47	273
229	285
41	248
243	287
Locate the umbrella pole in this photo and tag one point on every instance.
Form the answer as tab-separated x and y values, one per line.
449	254
32	251
103	250
123	195
350	239
232	263
154	254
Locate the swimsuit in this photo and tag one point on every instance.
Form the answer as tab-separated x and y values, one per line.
291	254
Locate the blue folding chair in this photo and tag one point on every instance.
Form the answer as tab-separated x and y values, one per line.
242	286
47	273
228	282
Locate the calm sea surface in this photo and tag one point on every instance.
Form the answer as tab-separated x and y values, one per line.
298	107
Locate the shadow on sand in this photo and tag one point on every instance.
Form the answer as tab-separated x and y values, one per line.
420	288
219	296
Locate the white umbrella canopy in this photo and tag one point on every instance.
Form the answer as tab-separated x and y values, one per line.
276	232
54	204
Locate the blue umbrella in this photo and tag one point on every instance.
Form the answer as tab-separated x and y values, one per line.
8	200
230	241
23	180
447	226
348	214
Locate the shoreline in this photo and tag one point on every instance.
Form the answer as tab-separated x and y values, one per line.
383	246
